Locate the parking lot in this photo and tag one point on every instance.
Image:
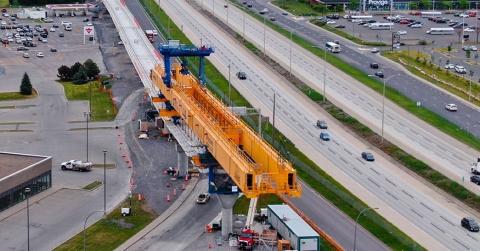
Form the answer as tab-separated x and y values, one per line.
413	35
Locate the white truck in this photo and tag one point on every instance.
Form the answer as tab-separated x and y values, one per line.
77	165
475	167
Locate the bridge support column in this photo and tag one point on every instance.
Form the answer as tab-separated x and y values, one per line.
227	201
182	160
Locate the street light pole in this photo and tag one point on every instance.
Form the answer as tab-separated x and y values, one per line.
87	115
383	107
226	7
291	38
463	30
27	193
229	87
243	34
325	75
264	36
356	223
104	182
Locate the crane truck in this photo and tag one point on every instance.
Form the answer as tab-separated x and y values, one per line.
248	238
77	165
149	34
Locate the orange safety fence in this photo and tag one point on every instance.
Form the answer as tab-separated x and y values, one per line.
100	88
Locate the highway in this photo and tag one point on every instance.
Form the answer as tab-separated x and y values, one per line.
297	120
365	241
438	153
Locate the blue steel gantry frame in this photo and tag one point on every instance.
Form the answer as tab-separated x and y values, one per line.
182	50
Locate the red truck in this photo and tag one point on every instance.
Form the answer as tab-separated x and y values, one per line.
149	34
247	239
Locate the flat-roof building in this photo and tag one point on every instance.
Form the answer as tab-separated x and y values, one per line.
19	171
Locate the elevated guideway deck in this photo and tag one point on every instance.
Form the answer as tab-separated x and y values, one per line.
144	57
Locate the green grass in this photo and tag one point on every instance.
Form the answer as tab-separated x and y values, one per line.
296	8
12	96
92	185
100	101
4	3
110	233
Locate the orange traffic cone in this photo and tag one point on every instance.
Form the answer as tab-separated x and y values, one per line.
168	197
186	177
174	191
183	186
168	184
209	245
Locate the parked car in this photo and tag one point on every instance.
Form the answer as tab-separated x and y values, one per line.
451	107
374	65
402	32
40	54
53	49
368	156
374	50
22	48
473	48
449	66
325	136
340	26
475	179
52	29
203	198
469	30
85	20
25	55
416	26
465	48
241	75
322	124
379	74
470	224
464	15
61	34
460	69
404	22
330	22
89	24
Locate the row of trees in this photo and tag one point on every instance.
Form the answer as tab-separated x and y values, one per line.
442	4
40	2
78	73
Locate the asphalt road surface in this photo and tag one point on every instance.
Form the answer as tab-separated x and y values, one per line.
421	210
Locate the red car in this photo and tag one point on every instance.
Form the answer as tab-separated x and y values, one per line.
418	13
404	22
472	14
4	10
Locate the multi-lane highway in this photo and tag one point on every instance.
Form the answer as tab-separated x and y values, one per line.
297	121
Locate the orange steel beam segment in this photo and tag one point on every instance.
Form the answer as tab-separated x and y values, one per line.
252	163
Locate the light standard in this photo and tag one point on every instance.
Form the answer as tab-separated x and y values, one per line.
243	34
87	115
229	87
104	182
84	226
264	35
383	102
226	7
356	222
463	29
213	8
27	193
324	73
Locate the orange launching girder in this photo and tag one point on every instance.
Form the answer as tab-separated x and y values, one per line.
250	161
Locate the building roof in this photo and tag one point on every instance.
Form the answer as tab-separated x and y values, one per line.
68	6
13	162
293	221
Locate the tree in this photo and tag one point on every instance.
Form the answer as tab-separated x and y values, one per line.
468	53
353	5
476	58
413	5
91	68
463	4
80	77
26	86
447	5
426	4
64	73
74	69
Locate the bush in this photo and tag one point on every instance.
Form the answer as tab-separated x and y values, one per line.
422	42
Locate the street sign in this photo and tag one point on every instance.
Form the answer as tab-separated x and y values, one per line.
88	30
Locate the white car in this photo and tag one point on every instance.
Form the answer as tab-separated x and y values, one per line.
402	32
89	24
44	40
3	23
40	54
449	66
155	32
6	14
356	20
416	26
473	48
330	22
469	30
451	107
374	50
52	29
464	15
460	69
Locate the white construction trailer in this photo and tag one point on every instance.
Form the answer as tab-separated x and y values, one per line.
293	228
